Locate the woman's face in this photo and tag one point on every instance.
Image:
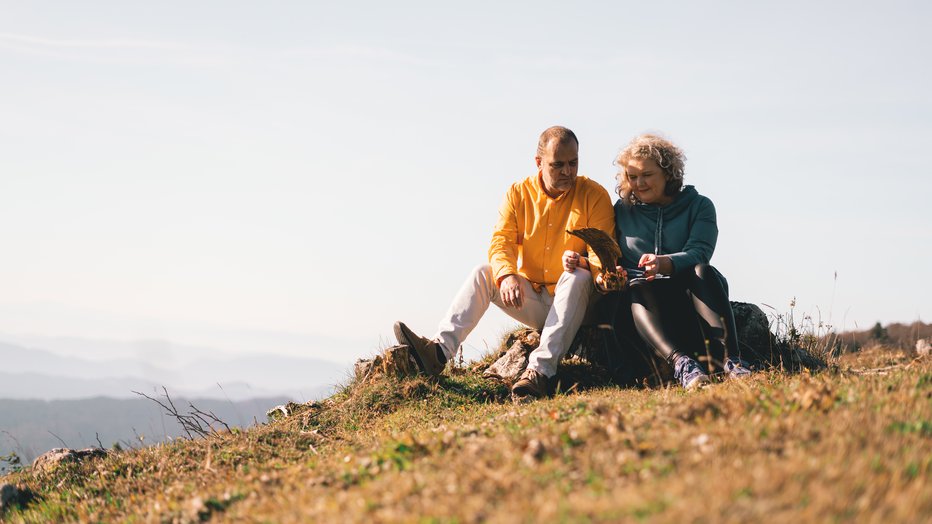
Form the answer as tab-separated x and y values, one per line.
647	181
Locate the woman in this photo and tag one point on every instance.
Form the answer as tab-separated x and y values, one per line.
667	233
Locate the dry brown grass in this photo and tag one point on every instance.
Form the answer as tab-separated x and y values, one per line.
852	444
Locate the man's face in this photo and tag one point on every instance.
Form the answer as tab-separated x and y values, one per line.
558	166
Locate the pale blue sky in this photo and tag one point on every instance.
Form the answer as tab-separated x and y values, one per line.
296	176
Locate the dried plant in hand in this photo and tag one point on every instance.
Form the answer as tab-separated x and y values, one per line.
606	248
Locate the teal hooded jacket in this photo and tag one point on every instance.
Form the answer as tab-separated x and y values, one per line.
684	229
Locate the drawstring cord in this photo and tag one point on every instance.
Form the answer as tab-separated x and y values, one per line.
658	234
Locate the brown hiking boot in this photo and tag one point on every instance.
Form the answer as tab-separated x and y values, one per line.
426	352
531	385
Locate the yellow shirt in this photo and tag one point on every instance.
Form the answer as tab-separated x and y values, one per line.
530	236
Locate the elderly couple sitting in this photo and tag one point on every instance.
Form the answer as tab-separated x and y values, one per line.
544	277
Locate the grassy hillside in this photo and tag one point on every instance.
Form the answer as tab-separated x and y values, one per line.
850	444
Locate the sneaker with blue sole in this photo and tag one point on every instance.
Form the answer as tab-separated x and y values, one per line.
737	368
689	373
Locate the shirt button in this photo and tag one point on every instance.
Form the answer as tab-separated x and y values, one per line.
546	270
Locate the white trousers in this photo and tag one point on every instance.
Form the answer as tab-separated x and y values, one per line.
558	317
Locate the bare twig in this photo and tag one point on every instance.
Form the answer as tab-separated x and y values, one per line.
10	436
99	444
195	423
210	415
186	424
59	439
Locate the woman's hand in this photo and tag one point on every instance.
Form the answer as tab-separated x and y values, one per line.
572	260
654	265
613	284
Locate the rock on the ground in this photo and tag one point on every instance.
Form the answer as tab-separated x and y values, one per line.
804	359
510	365
52	459
282	411
368	368
8	495
364	367
923	347
760	347
754	334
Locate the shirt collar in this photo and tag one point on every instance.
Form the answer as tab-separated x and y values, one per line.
539	184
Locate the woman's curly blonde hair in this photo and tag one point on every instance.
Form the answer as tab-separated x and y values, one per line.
669	157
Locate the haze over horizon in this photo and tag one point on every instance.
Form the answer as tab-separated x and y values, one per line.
293	179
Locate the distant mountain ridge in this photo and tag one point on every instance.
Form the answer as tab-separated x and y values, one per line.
35	386
31	373
169	353
31	427
46	395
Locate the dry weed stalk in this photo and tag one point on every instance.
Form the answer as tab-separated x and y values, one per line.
816	338
195	423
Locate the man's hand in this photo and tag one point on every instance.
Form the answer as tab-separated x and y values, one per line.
573	260
570	261
655	265
614	285
511	293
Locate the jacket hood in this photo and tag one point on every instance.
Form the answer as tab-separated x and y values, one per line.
681	202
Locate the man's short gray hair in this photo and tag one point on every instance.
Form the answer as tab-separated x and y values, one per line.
559	133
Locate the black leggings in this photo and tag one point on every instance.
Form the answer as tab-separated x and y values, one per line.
688	314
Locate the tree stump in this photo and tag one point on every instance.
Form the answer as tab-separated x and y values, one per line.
395	361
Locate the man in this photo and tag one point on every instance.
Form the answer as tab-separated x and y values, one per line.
525	275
